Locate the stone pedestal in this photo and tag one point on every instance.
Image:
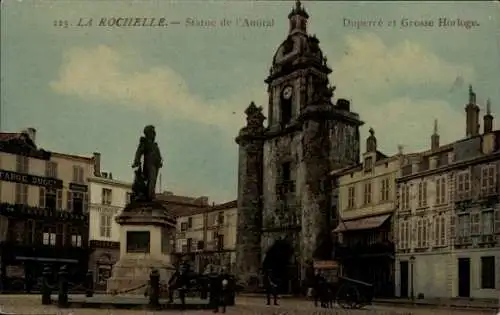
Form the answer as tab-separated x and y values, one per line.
146	233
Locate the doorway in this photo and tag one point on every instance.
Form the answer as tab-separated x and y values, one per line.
278	262
403	278
464	277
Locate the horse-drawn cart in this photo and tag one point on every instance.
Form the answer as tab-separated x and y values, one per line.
347	292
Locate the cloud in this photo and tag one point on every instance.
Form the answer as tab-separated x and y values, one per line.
370	63
105	74
379	78
411	122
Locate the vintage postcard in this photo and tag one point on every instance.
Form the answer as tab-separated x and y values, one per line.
344	151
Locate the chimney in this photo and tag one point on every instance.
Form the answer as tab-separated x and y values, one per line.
97	164
110	175
32	134
472	115
435	137
488	118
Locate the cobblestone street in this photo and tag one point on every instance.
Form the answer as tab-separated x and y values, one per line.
31	304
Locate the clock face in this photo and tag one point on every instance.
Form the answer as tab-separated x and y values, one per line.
287	92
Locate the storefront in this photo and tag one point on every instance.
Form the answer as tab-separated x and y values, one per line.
366	252
104	256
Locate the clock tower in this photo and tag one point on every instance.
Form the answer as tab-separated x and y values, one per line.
286	197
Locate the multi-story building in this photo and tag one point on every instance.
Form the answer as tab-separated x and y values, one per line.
449	214
366	204
206	235
43	211
284	198
108	197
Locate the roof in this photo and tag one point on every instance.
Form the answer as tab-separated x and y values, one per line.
227	205
6	136
183	206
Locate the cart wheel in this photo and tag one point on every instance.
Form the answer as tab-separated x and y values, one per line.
348	297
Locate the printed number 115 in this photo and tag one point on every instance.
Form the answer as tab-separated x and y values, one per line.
61	23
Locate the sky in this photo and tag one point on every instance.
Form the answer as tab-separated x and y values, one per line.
94	88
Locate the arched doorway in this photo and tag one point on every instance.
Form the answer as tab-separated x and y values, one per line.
279	261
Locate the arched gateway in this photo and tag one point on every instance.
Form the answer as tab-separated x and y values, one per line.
280	261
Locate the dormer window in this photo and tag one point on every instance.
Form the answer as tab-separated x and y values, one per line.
368	164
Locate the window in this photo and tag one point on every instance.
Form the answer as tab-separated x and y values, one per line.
439	231
212	219
22	164
422	194
488	272
77	201
105	225
78	174
464	226
190	223
422	230
351	195
49	238
487	222
405	197
189	244
367	193
107	196
220	242
51	169
368	163
488	183
404	235
201	245
441	190
50	198
22	194
286	111
220	218
184	226
463	184
385	189
286	171
76	240
419	232
475	221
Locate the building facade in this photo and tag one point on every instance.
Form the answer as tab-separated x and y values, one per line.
43	212
448	219
207	236
284	199
108	197
366	204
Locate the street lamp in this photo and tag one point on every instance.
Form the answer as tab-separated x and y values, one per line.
412	269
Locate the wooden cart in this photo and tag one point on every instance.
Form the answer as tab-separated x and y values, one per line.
347	292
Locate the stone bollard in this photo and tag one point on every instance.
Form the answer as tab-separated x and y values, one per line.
46	290
62	300
154	289
89	284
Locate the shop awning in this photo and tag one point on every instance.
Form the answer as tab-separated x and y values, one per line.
362	224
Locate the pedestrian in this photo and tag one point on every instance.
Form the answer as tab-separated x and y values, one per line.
215	291
271	287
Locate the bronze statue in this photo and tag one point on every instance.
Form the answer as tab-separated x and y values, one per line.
145	177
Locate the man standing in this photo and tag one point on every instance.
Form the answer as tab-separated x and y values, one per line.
271	287
152	160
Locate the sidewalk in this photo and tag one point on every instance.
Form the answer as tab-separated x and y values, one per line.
458	303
